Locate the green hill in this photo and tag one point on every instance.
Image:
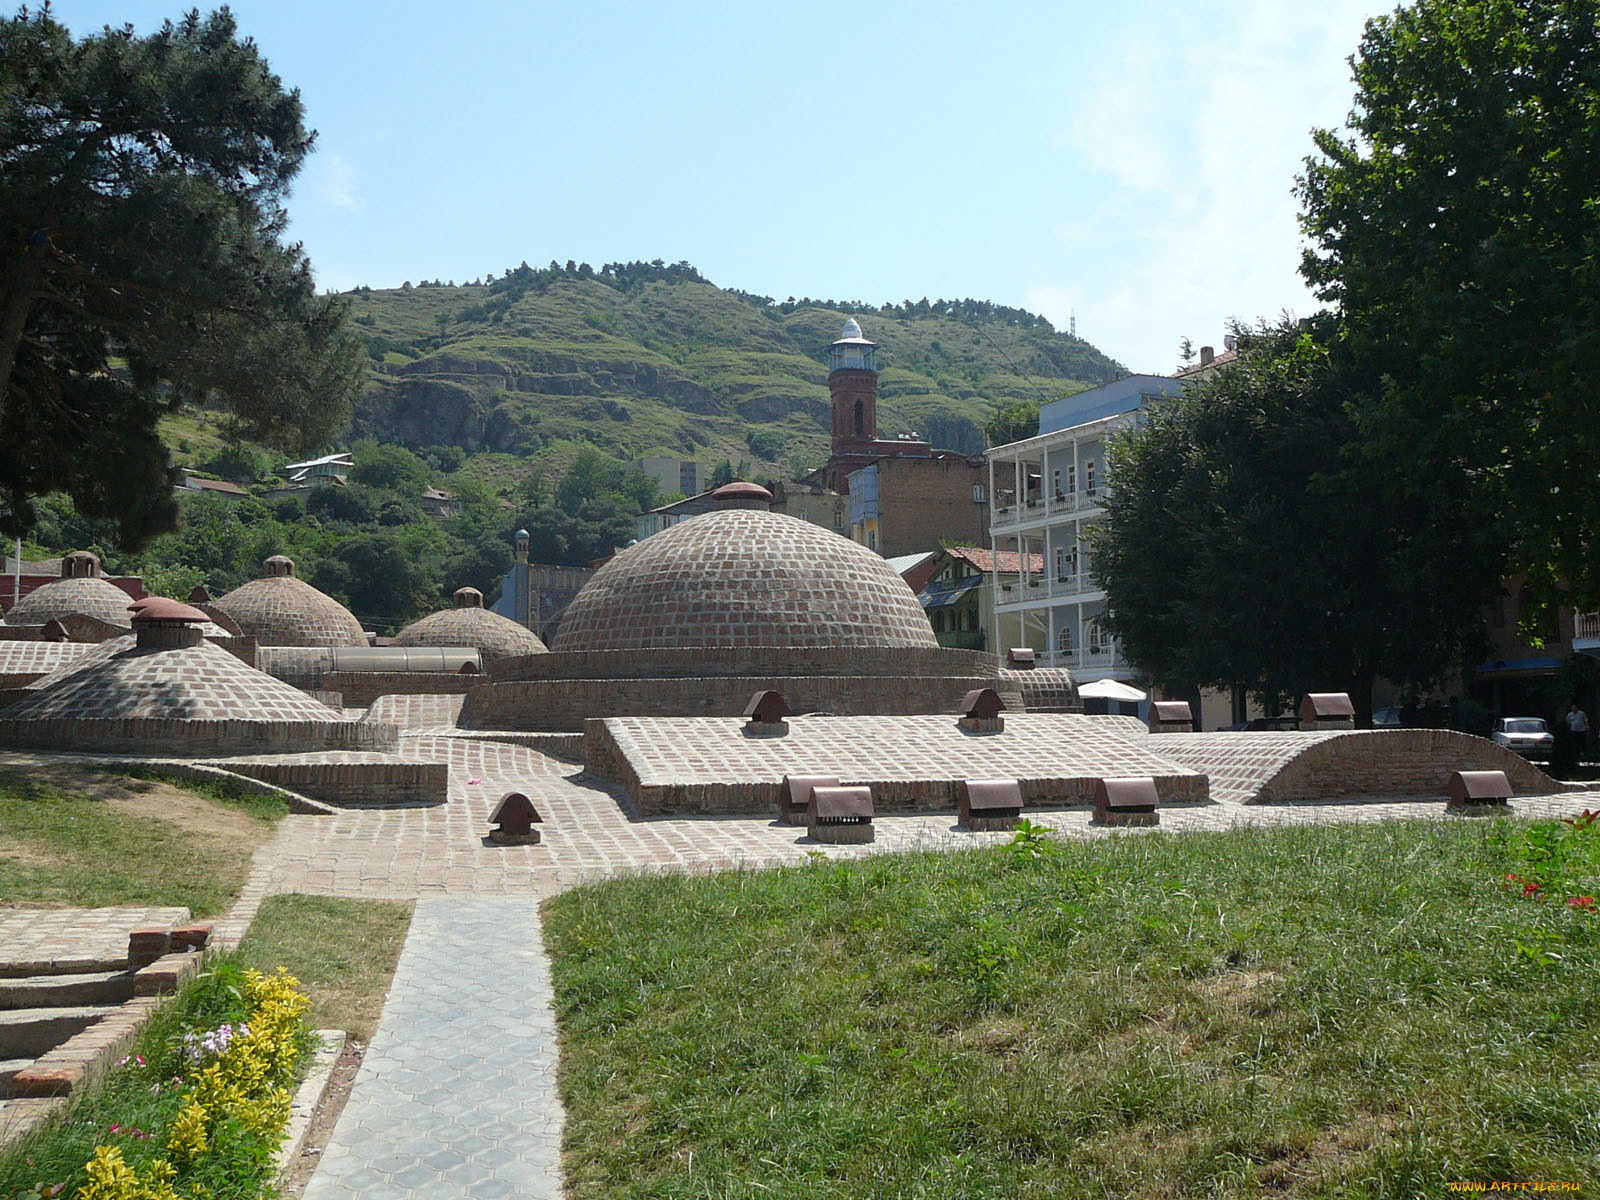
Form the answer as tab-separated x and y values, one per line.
644	358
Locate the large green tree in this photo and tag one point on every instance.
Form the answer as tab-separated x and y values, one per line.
142	262
1244	542
1455	228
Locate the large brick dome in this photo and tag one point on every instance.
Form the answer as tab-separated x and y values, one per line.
281	610
470	624
743	577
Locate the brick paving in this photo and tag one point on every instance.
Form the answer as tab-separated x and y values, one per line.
677	759
591	830
39	939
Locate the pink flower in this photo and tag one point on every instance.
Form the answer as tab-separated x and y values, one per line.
1586	903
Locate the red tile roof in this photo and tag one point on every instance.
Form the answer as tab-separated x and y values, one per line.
1010	563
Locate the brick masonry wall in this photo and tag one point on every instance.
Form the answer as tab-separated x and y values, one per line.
558	705
924	501
360	688
298	666
356	784
146	735
1397	762
703	664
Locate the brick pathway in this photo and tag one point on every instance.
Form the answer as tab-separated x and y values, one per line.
456	1096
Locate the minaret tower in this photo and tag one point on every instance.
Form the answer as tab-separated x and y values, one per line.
853	390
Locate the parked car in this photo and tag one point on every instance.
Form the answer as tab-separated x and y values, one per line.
1528	736
1386	718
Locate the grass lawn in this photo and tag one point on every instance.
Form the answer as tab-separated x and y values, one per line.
1354	1011
342	951
89	838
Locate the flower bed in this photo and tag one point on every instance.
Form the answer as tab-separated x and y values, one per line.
195	1111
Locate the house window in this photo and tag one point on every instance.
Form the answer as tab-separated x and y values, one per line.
1066	562
1064	639
978	494
801	514
1092	636
1072	478
1088	476
1055	482
872	539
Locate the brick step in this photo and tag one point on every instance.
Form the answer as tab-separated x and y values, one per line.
66	991
25	968
32	1032
8	1071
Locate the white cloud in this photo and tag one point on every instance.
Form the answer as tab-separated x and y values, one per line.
333	182
1190	146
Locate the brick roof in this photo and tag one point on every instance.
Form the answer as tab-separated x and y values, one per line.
740	578
90	596
491	634
285	611
199	682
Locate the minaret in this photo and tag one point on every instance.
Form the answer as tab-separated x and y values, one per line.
853	390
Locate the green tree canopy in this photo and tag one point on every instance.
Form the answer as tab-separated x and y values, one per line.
1456	228
1013	423
388	466
142	266
1244	543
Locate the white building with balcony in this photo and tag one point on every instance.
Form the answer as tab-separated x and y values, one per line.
1044	493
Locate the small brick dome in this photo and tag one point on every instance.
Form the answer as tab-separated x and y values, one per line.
80	590
199	681
743	577
470	624
280	609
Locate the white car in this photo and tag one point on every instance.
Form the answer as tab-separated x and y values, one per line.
1528	736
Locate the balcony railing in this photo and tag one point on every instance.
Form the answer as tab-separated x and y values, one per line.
1586	626
1043	507
1103	656
1040	588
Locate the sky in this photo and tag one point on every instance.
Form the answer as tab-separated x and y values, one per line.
1130	165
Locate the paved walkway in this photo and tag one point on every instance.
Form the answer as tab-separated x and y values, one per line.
456	1096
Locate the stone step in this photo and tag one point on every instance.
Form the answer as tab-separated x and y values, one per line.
8	1071
25	968
31	1032
66	991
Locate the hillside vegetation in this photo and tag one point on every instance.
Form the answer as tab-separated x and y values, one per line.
645	357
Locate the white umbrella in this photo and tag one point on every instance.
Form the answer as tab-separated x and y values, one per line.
1110	689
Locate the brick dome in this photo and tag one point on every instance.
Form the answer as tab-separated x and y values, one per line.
201	681
470	624
80	590
740	578
280	610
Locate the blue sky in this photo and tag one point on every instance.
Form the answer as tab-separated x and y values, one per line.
1131	164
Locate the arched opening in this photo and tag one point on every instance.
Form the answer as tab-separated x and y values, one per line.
861	420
